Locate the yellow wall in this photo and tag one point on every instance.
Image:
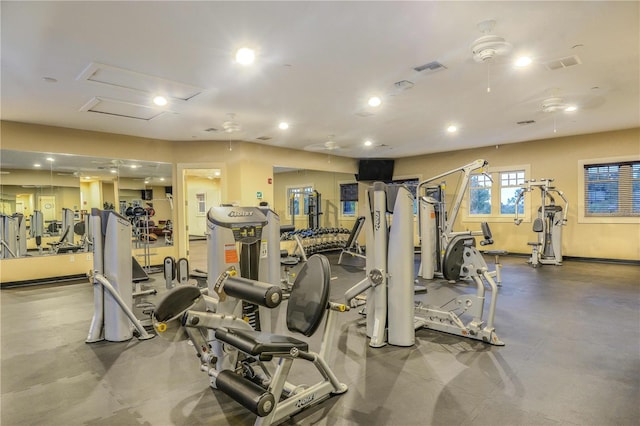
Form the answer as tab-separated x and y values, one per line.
551	158
247	166
35	268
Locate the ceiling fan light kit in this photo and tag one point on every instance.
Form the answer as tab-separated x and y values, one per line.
489	46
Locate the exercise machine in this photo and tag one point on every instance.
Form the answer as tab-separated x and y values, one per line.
314	208
67	226
392	315
113	318
351	246
547	250
453	255
13	232
251	382
389	284
65	244
245	240
36	228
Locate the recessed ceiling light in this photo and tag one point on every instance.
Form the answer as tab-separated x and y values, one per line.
51	160
523	61
114	171
36	165
452	129
160	100
87	177
374	101
217	173
283	125
161	179
571	108
49	79
146	182
133	166
245	56
368	143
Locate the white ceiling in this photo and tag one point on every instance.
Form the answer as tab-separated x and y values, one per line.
317	64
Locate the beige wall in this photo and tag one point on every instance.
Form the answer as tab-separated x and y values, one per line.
552	158
247	166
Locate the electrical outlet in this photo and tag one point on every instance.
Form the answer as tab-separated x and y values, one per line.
72	259
88	257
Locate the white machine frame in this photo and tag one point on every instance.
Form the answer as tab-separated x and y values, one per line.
392	316
113	318
13	233
548	225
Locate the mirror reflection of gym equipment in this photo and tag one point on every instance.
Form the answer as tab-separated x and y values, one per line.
547	250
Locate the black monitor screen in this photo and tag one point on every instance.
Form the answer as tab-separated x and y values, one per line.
375	169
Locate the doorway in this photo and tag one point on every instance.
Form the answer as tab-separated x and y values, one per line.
203	186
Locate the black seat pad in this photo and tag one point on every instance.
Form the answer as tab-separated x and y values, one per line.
259	343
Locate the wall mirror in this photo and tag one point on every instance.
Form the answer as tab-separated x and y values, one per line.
314	198
41	192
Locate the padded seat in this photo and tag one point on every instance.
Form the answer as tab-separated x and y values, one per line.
258	343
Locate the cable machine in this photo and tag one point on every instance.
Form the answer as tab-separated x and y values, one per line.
548	225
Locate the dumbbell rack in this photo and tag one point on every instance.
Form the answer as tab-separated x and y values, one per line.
318	240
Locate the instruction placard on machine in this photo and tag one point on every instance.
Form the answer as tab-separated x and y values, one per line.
230	253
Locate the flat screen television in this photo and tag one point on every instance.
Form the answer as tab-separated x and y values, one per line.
375	169
146	194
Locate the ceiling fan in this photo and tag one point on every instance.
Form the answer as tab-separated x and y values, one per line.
329	146
231	125
489	45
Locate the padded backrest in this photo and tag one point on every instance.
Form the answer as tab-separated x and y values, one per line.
355	231
64	234
538	225
309	296
176	302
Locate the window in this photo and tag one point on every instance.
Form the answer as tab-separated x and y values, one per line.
480	194
349	199
509	190
298	201
201	200
493	195
612	189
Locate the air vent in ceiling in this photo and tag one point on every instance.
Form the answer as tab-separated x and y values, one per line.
211	129
121	109
561	63
525	122
403	85
264	138
431	67
119	77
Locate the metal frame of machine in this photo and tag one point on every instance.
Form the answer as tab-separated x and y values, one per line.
233	348
548	225
392	316
113	318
